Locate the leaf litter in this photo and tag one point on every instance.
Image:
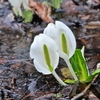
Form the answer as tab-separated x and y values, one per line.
19	80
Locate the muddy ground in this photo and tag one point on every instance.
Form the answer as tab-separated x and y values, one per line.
19	79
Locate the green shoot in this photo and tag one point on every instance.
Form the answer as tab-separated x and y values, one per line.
81	69
27	15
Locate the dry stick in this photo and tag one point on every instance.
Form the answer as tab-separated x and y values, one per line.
45	96
33	93
85	90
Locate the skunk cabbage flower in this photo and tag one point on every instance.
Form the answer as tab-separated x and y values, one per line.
46	58
44	52
17	5
65	39
63	36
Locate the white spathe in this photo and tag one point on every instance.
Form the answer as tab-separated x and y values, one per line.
65	39
17	5
55	31
36	52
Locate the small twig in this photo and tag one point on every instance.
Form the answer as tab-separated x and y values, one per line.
45	96
36	30
88	86
15	60
33	93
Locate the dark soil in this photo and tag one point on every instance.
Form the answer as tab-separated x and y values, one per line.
19	79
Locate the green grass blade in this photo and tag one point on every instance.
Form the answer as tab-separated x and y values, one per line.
69	81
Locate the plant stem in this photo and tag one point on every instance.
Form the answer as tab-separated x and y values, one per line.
58	78
85	90
70	68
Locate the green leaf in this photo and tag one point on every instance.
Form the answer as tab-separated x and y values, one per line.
79	65
58	95
27	15
56	3
69	81
89	78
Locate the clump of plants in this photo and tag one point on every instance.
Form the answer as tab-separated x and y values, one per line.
26	14
57	41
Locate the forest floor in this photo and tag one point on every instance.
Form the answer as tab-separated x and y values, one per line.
19	79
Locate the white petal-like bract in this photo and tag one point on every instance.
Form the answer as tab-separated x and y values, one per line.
56	30
65	39
36	52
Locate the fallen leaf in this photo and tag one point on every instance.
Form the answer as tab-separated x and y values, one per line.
89	43
93	25
9	19
69	6
16	65
66	72
91	96
85	17
42	10
93	2
2	60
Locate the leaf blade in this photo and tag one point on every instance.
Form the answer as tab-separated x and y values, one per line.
90	77
79	65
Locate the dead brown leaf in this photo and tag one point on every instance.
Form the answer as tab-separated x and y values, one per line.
42	10
13	82
93	25
85	17
2	60
69	6
66	72
89	43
